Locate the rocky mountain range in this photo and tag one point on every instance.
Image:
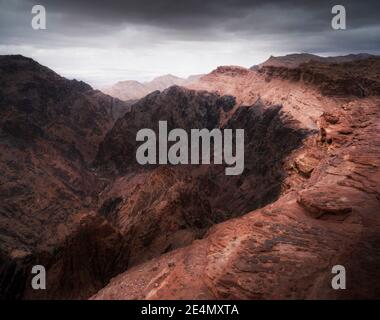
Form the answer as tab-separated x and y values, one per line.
133	90
74	199
50	131
295	59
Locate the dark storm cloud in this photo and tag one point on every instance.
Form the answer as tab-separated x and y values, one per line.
165	36
202	13
197	14
193	20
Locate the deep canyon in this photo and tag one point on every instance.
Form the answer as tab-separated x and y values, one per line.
74	199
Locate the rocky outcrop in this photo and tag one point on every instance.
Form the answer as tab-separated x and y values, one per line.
181	108
325	216
332	78
296	59
160	208
286	250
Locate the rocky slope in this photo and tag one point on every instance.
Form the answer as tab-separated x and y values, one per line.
133	90
326	215
355	78
164	207
50	129
305	91
74	199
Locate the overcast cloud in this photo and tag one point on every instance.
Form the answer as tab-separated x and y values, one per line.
102	42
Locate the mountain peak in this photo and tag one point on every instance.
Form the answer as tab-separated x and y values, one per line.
132	89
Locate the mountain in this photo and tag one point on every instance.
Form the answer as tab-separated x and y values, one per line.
295	59
74	198
50	129
324	212
302	90
132	90
160	208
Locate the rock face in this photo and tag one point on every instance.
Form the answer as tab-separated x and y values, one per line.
74	199
160	208
133	90
327	214
333	78
50	129
91	253
179	107
306	91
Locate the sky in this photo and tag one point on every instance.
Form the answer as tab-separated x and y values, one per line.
102	42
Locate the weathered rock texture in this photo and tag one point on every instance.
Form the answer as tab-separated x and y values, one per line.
326	215
164	207
50	129
73	198
296	59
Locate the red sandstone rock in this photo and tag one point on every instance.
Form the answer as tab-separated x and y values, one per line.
308	201
282	250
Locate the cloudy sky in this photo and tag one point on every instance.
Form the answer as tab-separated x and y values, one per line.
102	42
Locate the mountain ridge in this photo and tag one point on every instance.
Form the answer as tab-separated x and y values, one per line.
295	59
133	90
74	200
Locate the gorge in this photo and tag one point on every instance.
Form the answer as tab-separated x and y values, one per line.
75	199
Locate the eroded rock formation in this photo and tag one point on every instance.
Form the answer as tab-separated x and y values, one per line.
327	214
74	199
50	129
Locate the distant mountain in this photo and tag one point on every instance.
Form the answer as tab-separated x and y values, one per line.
294	60
132	90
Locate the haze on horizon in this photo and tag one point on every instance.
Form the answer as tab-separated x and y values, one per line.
105	42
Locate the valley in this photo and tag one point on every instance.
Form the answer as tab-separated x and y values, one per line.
75	199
